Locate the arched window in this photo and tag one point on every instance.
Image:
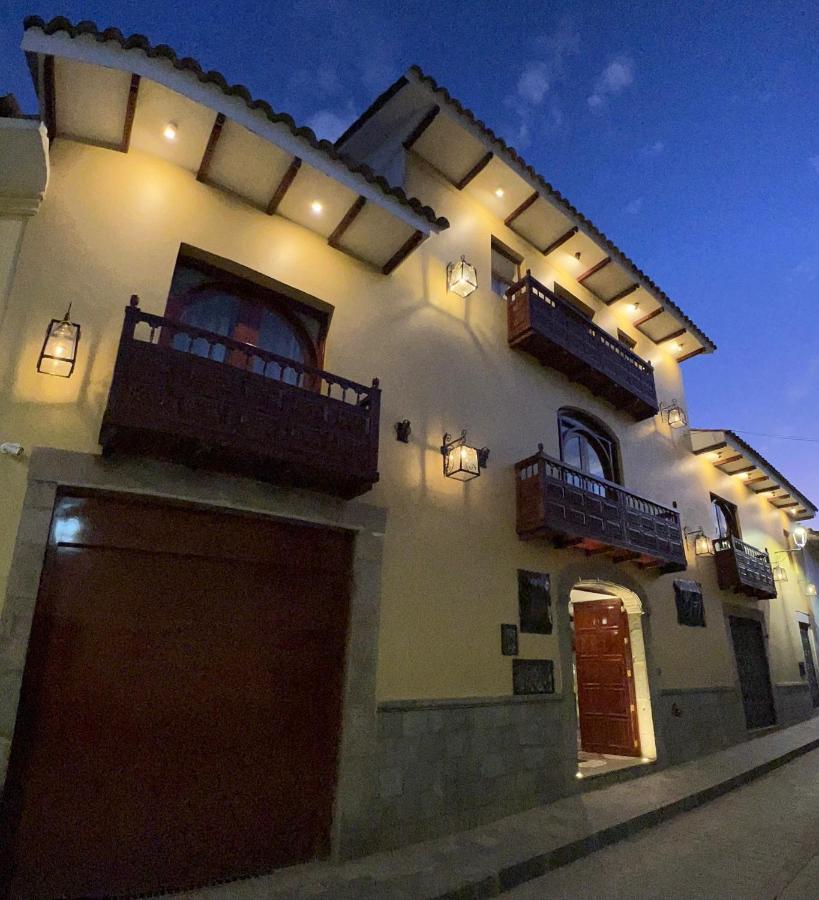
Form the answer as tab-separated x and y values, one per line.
587	445
727	517
207	298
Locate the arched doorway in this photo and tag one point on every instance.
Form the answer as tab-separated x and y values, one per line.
610	675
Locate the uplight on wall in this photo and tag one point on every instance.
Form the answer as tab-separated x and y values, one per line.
674	414
169	132
462	462
59	353
800	536
810	589
461	278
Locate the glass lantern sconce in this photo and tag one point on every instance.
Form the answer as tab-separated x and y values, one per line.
462	462
461	278
702	543
59	353
810	589
780	574
800	536
674	414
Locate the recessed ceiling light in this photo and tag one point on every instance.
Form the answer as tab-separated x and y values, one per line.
498	192
316	207
742	475
633	307
169	131
678	347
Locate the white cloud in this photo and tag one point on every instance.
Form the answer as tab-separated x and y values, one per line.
534	83
615	78
329	124
654	149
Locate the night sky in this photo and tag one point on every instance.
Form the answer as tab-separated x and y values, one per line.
687	131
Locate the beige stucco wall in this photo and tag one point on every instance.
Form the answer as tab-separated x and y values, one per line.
111	225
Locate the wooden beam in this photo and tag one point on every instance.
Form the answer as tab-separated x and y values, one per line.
758	479
710	448
727	460
784	505
595	268
629	290
686	356
344	224
476	170
403	252
767	490
207	156
625	556
743	469
130	112
652	315
561	240
284	185
49	98
670	337
521	209
421	127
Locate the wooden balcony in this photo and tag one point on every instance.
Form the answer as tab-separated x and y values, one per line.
743	568
195	397
576	510
557	335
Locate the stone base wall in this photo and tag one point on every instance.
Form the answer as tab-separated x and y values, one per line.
696	721
793	703
449	765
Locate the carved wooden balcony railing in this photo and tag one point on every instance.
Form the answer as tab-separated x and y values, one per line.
195	397
744	568
591	514
556	334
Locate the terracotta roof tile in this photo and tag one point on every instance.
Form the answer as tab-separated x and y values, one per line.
188	64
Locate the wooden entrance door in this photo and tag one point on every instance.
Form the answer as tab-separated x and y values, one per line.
810	664
181	702
752	668
605	679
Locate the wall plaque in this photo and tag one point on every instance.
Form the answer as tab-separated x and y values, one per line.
533	676
534	602
509	640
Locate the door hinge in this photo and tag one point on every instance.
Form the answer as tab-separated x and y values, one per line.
628	673
625	641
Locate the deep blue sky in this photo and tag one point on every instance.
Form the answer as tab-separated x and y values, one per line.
688	131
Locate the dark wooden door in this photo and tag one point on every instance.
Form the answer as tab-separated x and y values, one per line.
752	668
810	663
181	702
605	679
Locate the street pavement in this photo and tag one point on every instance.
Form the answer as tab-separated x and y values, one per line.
758	842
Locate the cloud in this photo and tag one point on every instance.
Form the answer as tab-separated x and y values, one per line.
654	149
615	78
330	124
814	161
634	206
540	78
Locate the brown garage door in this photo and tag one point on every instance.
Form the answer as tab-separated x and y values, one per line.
181	701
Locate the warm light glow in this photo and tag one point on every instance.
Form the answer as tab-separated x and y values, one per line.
59	351
810	590
779	573
743	475
674	414
169	132
498	192
462	463
678	347
702	545
633	307
316	207
800	536
461	278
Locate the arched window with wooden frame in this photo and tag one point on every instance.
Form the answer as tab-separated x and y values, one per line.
206	297
586	444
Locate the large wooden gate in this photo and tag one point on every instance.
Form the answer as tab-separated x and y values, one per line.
181	702
605	679
752	668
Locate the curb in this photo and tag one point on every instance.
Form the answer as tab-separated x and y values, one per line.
519	873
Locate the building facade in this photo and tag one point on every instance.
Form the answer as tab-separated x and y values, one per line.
346	518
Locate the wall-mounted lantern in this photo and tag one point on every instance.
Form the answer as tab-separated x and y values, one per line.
800	536
59	353
810	589
674	414
403	430
462	462
461	278
702	543
780	575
